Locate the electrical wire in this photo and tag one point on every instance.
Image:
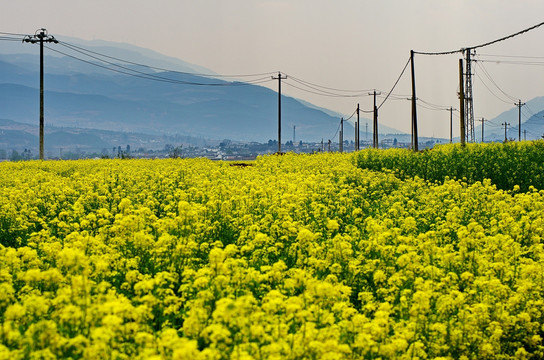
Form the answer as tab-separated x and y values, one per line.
486	73
316	86
340	123
2	38
431	106
85	51
318	92
337	129
395	85
491	91
512	56
351	115
481	45
132	72
510	62
10	33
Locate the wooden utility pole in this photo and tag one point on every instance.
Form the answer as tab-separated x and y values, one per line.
279	78
451	124
357	131
341	136
483	121
414	105
41	36
519	105
375	121
506	125
461	103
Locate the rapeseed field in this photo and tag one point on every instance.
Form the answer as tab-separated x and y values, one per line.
292	257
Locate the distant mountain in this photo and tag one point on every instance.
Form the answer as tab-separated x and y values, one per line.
19	52
532	121
79	95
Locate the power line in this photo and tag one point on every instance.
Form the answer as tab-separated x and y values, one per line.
431	106
85	51
13	34
132	72
321	92
395	85
337	129
512	56
351	115
481	45
6	38
491	91
314	86
486	73
533	63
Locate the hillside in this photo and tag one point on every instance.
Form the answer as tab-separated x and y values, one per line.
82	95
532	120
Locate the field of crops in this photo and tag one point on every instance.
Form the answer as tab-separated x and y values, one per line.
293	257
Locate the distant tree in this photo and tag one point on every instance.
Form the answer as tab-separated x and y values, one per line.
128	149
224	144
175	152
395	142
27	154
15	156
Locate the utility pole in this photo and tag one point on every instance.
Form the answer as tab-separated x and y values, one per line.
461	103
366	133
506	125
322	146
357	132
341	135
414	105
519	105
469	104
375	133
329	145
294	129
451	124
279	78
40	36
483	121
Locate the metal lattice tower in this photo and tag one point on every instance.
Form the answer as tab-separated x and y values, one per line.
469	105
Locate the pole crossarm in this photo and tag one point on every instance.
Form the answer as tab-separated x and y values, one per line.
39	36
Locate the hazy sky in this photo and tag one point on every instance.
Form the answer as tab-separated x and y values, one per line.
341	44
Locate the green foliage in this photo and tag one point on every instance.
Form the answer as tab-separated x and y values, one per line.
507	165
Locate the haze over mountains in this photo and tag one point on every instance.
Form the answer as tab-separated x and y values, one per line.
80	95
92	108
